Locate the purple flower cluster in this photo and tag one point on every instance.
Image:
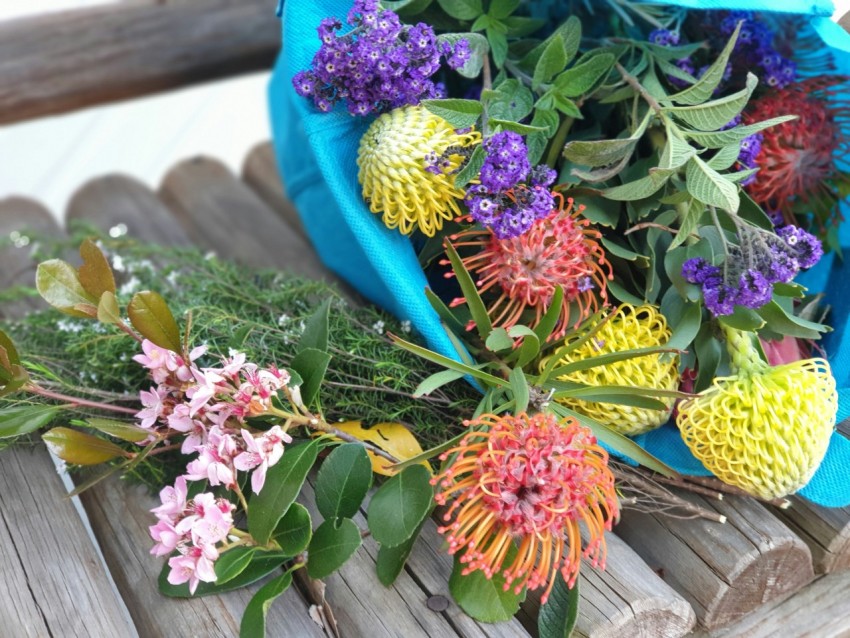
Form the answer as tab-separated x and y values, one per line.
754	48
747	277
750	149
664	37
512	195
379	65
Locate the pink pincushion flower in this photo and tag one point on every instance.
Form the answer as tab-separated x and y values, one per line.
192	568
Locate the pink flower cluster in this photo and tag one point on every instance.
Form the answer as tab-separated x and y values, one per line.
193	528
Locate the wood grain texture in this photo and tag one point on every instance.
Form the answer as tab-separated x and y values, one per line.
118	199
54	583
825	530
260	173
819	610
67	60
221	213
724	571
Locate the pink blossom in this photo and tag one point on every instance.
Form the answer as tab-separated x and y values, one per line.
215	459
186	372
159	361
260	454
173	500
166	536
233	364
786	350
154	406
192	568
213	527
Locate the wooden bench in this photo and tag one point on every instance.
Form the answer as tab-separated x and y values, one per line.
750	577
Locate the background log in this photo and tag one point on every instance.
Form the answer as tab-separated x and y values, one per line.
67	60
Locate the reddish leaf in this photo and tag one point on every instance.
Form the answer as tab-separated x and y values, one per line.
150	315
95	275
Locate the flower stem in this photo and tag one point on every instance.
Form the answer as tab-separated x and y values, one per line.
557	144
76	401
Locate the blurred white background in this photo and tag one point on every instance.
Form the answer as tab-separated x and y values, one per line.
48	158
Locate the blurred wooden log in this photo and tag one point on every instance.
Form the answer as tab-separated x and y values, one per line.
114	200
260	173
724	570
825	530
67	60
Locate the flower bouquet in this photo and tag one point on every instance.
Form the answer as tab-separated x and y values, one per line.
588	219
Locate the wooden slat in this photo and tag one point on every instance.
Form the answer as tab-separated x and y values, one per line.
260	173
817	611
220	213
724	571
67	60
117	199
825	530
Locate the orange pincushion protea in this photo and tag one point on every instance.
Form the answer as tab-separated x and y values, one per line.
558	250
529	480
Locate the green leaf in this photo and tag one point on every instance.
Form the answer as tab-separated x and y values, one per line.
107	309
150	315
718	139
710	116
11	353
753	213
633	191
232	563
511	101
283	483
253	623
451	364
343	481
604	152
498	340
498	45
458	113
516	127
519	388
391	560
462	9
688	225
559	614
619	291
80	448
520	26
676	152
547	323
436	380
478	50
785	323
686	329
119	429
315	333
311	365
470	293
399	505
482	598
261	566
710	187
58	284
94	274
622	252
553	61
569	32
24	419
621	395
743	319
446	315
704	88
530	347
294	531
607	359
584	76
501	9
709	353
724	158
331	546
472	167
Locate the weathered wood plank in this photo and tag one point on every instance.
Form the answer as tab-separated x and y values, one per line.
825	530
260	173
114	200
67	60
724	571
54	583
220	213
817	611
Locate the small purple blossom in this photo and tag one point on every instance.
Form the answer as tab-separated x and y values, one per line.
664	37
806	247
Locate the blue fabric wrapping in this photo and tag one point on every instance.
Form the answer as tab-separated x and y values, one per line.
317	155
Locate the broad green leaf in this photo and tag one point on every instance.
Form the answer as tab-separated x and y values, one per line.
482	598
621	294
753	213
470	293
511	102
458	113
632	191
725	157
709	354
343	481
294	531
406	7
704	88
94	274
604	152
150	315
739	176
676	152
107	309
552	62
451	364
462	9
520	26
331	546
519	388
472	167
311	365
567	107
283	483
719	139
253	623
498	42
569	32
58	284
559	614
785	323
119	429
686	329
499	340
529	348
394	438
516	127
80	448
478	49
710	116
399	505
261	566
710	187
584	76
11	353
622	252
232	563
688	223
24	419
315	333
436	380
391	560
501	9
743	319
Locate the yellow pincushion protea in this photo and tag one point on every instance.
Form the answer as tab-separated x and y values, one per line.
765	429
629	328
394	159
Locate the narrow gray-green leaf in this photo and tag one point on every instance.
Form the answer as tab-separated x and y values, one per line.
710	187
553	61
519	388
711	116
470	293
436	380
704	88
18	420
718	139
584	76
451	364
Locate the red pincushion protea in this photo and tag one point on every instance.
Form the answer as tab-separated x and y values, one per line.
528	480
558	250
797	158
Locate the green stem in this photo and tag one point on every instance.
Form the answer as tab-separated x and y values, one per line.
557	144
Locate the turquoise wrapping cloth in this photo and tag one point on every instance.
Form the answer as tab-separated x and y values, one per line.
317	155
